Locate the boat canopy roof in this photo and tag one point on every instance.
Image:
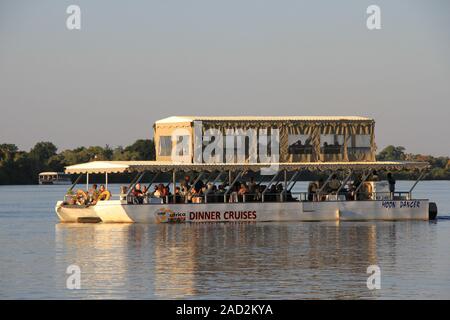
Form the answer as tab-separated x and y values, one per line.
187	119
164	166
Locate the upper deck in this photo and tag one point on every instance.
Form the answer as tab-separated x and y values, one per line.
258	139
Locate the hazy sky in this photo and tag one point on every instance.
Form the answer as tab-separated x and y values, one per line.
134	62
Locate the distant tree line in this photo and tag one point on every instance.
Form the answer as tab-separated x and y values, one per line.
21	167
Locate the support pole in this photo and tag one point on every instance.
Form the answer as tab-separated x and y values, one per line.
293	181
269	185
325	184
152	180
174	179
362	182
87	181
288	187
75	183
106	180
214	182
422	175
344	182
139	177
198	179
232	185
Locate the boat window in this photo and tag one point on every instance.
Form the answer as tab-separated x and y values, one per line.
300	147
331	143
165	146
362	141
299	144
331	147
359	147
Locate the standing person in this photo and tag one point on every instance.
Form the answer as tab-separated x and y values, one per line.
186	182
391	182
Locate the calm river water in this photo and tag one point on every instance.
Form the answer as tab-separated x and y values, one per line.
219	261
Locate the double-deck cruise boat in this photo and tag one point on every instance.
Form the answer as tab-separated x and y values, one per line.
244	169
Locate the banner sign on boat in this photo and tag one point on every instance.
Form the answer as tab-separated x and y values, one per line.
401	204
165	215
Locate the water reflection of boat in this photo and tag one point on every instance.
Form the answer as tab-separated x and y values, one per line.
236	260
100	250
117	258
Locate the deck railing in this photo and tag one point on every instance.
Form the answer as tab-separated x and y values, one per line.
269	197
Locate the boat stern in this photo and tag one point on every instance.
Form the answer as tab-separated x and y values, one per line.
68	213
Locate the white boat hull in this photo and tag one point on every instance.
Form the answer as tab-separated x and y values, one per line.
116	211
56	182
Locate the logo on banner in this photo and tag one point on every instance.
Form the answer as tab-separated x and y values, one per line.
165	215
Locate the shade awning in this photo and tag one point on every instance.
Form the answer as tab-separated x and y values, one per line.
163	166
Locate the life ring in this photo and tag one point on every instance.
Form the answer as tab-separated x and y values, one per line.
105	195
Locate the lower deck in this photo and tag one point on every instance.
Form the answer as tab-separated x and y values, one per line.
119	211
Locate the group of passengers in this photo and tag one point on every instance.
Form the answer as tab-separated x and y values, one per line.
90	197
197	192
141	194
242	191
355	190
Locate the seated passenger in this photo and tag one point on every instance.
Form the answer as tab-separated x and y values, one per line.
196	196
350	195
234	197
199	185
138	195
123	192
312	191
259	191
177	195
104	194
81	197
374	176
334	184
280	189
156	193
186	182
93	194
242	191
272	193
185	193
165	192
220	193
